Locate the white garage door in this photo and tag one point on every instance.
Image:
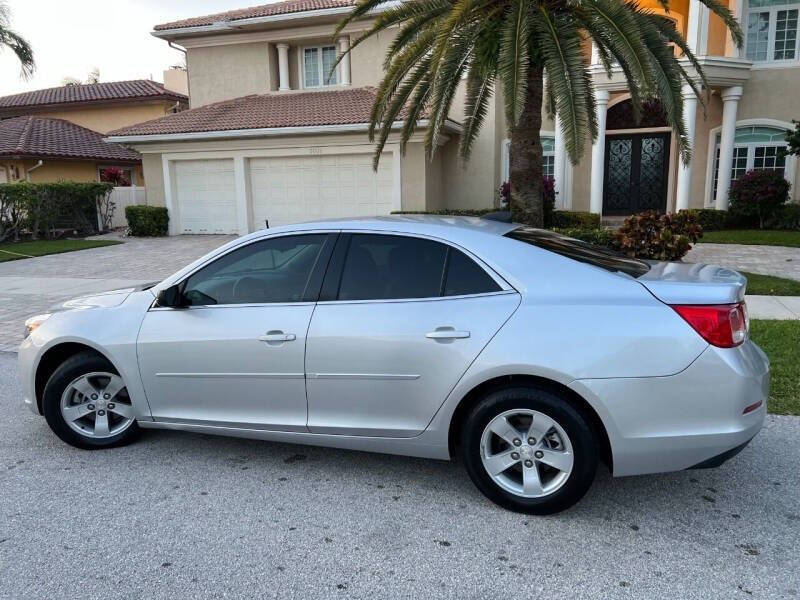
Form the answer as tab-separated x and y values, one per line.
305	188
206	196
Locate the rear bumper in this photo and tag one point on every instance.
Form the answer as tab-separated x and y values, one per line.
720	459
691	419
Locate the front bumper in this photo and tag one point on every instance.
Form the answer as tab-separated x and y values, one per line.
26	369
659	424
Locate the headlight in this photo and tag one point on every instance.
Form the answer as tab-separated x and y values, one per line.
33	323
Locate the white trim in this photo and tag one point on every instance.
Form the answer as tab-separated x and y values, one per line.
321	68
505	155
791	160
264	132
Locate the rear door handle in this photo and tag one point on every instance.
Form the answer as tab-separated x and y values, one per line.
447	333
277	336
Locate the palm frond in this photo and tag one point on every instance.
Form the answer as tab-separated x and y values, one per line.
724	13
479	93
514	58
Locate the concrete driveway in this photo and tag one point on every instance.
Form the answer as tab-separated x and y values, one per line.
179	515
31	286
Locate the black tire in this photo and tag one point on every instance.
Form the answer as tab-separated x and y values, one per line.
68	371
581	436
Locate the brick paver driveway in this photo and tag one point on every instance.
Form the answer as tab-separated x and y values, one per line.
32	285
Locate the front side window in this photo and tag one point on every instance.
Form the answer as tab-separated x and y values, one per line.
274	270
756	147
390	267
317	65
772	30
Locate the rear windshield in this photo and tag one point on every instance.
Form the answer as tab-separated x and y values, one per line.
580	251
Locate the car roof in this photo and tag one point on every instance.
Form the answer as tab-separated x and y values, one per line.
451	228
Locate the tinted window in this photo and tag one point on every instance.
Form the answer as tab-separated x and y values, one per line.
383	267
464	276
580	251
275	270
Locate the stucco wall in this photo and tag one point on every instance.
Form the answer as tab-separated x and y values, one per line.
154	178
219	73
107	118
53	170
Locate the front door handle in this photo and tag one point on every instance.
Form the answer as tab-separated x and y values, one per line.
277	336
447	333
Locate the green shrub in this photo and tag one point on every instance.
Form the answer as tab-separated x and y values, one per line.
759	194
710	219
50	207
786	217
147	221
600	236
570	219
655	236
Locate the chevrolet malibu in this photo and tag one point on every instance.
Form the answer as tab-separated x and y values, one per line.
528	355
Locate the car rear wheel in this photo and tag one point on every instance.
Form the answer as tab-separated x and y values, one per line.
86	404
529	450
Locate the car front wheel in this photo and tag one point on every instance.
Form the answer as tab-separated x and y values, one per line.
86	404
529	450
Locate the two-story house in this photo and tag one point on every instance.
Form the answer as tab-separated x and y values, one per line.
58	133
271	136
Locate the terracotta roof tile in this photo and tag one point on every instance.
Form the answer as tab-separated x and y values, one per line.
264	10
89	93
40	137
283	109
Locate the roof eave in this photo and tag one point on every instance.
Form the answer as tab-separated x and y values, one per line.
227	26
40	156
450	125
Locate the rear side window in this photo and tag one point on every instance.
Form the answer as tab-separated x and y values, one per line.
392	267
465	276
581	251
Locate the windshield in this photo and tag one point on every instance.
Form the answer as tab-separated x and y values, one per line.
580	251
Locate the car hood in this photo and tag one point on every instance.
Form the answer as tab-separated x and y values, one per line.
107	299
688	283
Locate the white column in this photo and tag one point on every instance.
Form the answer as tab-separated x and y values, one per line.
243	216
737	7
344	65
697	28
683	195
560	166
730	104
283	67
599	153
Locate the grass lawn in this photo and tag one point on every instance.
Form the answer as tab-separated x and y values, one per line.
769	285
752	236
781	341
42	247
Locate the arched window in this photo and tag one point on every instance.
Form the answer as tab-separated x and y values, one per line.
771	30
755	147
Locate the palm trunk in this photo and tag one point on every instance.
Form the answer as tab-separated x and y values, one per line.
526	156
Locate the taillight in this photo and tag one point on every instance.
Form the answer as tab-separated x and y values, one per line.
723	325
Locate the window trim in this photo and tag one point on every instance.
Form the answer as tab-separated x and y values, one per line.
327	248
333	276
321	70
790	168
773	19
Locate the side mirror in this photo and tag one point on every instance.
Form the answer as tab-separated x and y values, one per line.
171	297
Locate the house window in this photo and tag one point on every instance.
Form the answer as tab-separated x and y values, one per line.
755	147
317	64
772	30
548	157
119	176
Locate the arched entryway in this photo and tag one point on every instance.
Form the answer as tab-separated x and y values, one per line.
637	159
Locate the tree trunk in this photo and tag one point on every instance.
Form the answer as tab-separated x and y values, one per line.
525	159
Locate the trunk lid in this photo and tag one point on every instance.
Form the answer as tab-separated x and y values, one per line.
687	283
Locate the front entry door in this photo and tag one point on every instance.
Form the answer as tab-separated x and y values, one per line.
636	173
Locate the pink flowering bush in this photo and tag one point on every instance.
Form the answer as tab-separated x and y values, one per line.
758	195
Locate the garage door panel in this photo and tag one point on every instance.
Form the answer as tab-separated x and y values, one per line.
206	196
304	188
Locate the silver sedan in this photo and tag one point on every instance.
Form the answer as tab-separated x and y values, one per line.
529	355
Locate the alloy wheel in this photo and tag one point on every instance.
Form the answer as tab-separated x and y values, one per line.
97	405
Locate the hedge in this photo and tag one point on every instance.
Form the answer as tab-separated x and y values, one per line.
48	208
710	219
147	221
571	219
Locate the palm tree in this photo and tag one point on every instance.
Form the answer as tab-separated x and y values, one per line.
14	41
510	45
